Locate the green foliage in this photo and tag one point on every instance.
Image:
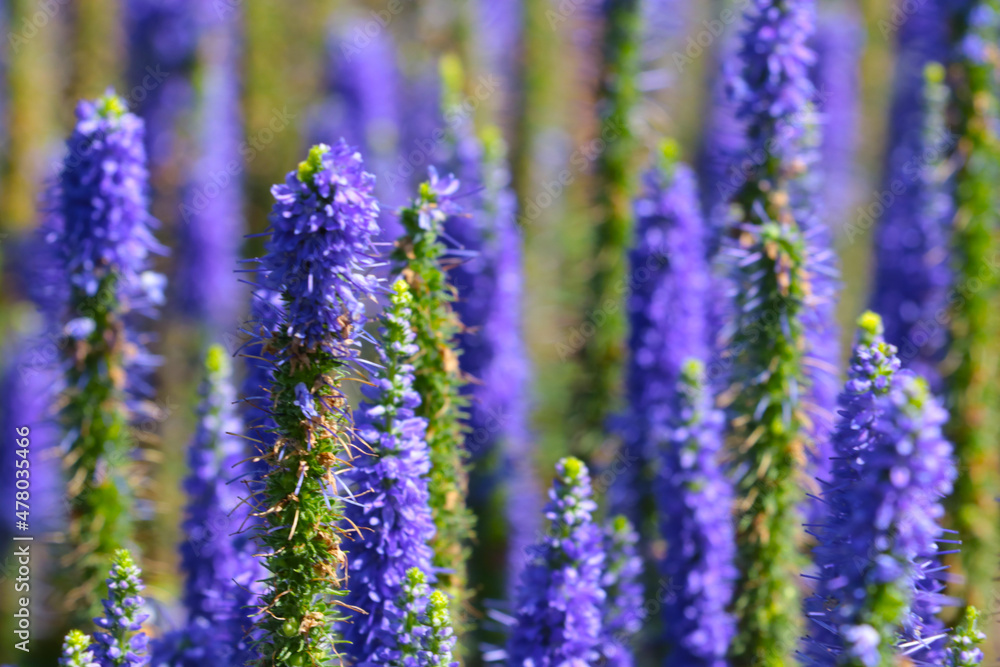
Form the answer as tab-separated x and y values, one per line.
301	509
971	367
596	393
439	381
96	419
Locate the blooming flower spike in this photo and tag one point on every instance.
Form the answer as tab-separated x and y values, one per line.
122	641
438	379
76	651
389	521
99	233
318	259
559	609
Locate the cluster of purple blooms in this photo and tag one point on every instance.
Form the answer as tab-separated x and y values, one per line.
390	519
882	461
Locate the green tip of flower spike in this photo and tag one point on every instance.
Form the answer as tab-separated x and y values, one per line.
452	79
216	360
309	167
123	560
573	467
692	371
401	295
669	154
934	73
111	106
620	523
494	147
437	609
870	327
415	576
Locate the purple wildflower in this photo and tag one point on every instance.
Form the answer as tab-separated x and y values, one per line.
667	311
163	43
319	254
694	498
265	315
389	520
211	212
100	224
76	651
122	642
27	400
418	631
912	275
773	88
217	555
838	42
623	606
877	552
318	258
559	610
508	378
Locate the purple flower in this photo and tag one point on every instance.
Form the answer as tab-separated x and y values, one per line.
418	630
838	43
122	642
100	223
773	88
623	605
76	651
559	611
320	253
667	313
221	573
694	499
877	552
912	239
163	42
28	392
389	520
211	212
266	310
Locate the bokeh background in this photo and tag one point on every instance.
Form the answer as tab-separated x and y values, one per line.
311	70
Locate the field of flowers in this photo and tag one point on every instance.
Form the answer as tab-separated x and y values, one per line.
542	333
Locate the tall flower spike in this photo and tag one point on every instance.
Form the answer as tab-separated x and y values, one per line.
217	555
667	318
122	641
99	233
318	258
211	212
163	45
389	520
596	394
694	498
76	651
438	380
623	607
559	609
972	385
873	365
912	273
772	273
419	633
877	551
